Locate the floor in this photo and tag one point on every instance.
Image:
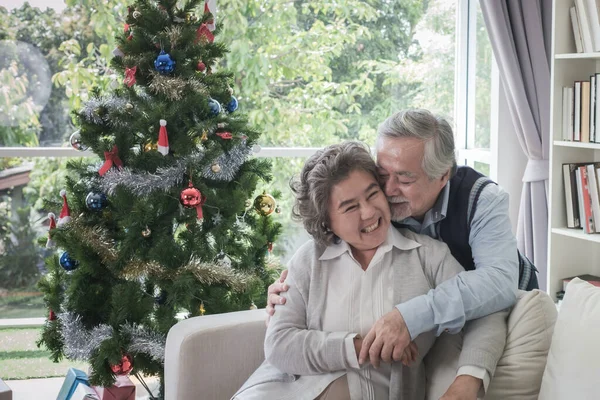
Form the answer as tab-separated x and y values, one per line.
47	389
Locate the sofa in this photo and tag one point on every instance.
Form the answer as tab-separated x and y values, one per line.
210	357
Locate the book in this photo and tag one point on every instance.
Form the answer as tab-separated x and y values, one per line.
577	111
593	189
597	109
576	29
585	111
592	13
571	195
587	219
584	26
593	108
593	279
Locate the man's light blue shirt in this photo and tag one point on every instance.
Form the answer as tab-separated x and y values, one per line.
489	288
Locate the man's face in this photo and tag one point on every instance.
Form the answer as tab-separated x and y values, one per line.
409	190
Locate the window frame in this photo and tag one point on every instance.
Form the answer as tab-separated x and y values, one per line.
465	89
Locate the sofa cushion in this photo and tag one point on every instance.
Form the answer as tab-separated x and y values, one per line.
573	367
519	371
521	367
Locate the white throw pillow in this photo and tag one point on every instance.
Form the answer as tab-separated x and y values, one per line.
520	369
573	368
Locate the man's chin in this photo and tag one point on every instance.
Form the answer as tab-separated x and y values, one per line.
400	211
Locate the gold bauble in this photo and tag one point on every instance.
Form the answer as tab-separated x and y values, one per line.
129	106
264	204
204	137
216	168
201	309
151	146
146	232
190	17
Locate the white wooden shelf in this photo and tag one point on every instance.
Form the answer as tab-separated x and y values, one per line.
581	145
575	56
577	233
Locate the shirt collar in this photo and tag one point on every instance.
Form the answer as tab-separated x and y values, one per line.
394	239
435	213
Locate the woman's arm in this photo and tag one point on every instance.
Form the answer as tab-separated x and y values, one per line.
290	345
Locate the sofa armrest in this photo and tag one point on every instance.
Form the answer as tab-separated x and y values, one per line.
210	357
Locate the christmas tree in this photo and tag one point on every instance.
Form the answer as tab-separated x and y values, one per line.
171	221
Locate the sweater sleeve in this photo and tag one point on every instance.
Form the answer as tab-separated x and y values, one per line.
289	344
484	338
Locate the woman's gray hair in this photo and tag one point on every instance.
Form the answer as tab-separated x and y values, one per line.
325	169
439	154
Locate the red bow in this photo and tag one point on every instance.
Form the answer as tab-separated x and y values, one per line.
203	33
199	207
111	157
130	76
225	135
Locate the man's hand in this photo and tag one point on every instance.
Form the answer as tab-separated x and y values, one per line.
386	340
464	387
273	297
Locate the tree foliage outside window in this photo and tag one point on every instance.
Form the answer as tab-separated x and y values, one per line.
308	73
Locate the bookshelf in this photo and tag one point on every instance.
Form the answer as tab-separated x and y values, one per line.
570	251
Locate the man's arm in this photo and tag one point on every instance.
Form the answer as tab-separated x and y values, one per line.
489	288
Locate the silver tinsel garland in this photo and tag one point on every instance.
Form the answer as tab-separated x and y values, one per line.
229	162
144	183
80	343
111	104
145	341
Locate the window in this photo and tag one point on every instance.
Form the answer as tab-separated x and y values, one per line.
307	74
476	90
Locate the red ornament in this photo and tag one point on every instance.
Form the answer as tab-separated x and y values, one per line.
192	198
130	76
201	66
51	316
126	28
225	135
270	246
112	158
124	367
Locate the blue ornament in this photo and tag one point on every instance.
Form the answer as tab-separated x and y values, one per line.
232	105
96	201
163	63
215	107
68	263
161	299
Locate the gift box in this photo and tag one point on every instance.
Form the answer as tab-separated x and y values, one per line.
5	392
83	392
74	378
123	389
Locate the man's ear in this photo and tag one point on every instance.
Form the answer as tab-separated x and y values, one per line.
446	177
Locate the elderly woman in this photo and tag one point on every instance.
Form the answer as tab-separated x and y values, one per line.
356	268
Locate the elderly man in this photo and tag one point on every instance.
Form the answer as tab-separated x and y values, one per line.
429	195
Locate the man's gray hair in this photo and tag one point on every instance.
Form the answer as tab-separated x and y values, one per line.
439	154
323	170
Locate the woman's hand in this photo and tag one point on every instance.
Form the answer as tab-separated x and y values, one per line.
273	297
410	354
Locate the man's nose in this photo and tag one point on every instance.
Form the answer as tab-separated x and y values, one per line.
391	188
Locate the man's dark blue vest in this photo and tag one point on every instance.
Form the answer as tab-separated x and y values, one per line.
465	188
